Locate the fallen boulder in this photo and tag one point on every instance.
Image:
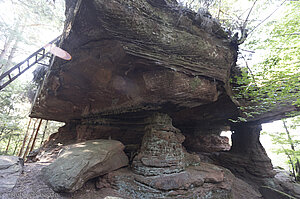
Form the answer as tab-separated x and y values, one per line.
10	170
83	161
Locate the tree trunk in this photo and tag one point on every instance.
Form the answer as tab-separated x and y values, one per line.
43	137
28	145
16	146
7	147
296	163
292	164
10	39
7	65
25	139
14	48
5	50
35	136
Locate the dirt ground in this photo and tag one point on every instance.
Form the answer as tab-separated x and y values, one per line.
30	185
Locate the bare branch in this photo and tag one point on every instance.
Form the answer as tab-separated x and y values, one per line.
246	21
295	33
267	17
243	28
250	51
248	68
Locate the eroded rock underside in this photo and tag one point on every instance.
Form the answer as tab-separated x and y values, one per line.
155	77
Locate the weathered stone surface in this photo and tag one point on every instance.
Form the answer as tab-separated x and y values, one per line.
247	158
126	61
270	193
168	182
83	161
211	173
161	150
10	170
206	143
287	183
192	183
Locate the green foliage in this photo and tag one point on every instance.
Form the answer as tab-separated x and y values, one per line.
26	25
13	111
274	81
288	143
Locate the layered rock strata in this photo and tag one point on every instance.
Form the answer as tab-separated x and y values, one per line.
135	56
162	164
161	151
206	143
163	169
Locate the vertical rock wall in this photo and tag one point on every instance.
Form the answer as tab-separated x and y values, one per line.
247	158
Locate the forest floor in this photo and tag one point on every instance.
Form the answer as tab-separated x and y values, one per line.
30	185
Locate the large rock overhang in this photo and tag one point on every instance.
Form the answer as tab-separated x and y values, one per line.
133	56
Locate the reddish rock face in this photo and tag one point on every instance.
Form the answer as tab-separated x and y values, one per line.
206	143
247	158
193	183
133	58
125	61
161	150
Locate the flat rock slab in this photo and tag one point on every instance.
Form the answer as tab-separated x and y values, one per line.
168	182
83	161
10	170
206	181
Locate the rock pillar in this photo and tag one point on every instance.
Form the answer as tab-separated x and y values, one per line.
247	158
163	169
245	142
161	150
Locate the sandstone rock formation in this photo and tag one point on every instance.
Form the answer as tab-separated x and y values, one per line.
207	143
161	169
83	161
193	183
247	158
161	151
287	182
10	170
134	56
136	65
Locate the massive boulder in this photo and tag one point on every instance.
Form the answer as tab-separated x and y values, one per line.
83	161
10	170
135	58
288	184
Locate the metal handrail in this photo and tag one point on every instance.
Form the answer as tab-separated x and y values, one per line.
25	65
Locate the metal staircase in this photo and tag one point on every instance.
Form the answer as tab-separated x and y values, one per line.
35	58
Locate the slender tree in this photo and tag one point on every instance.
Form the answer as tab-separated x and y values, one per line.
35	136
25	139
29	142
